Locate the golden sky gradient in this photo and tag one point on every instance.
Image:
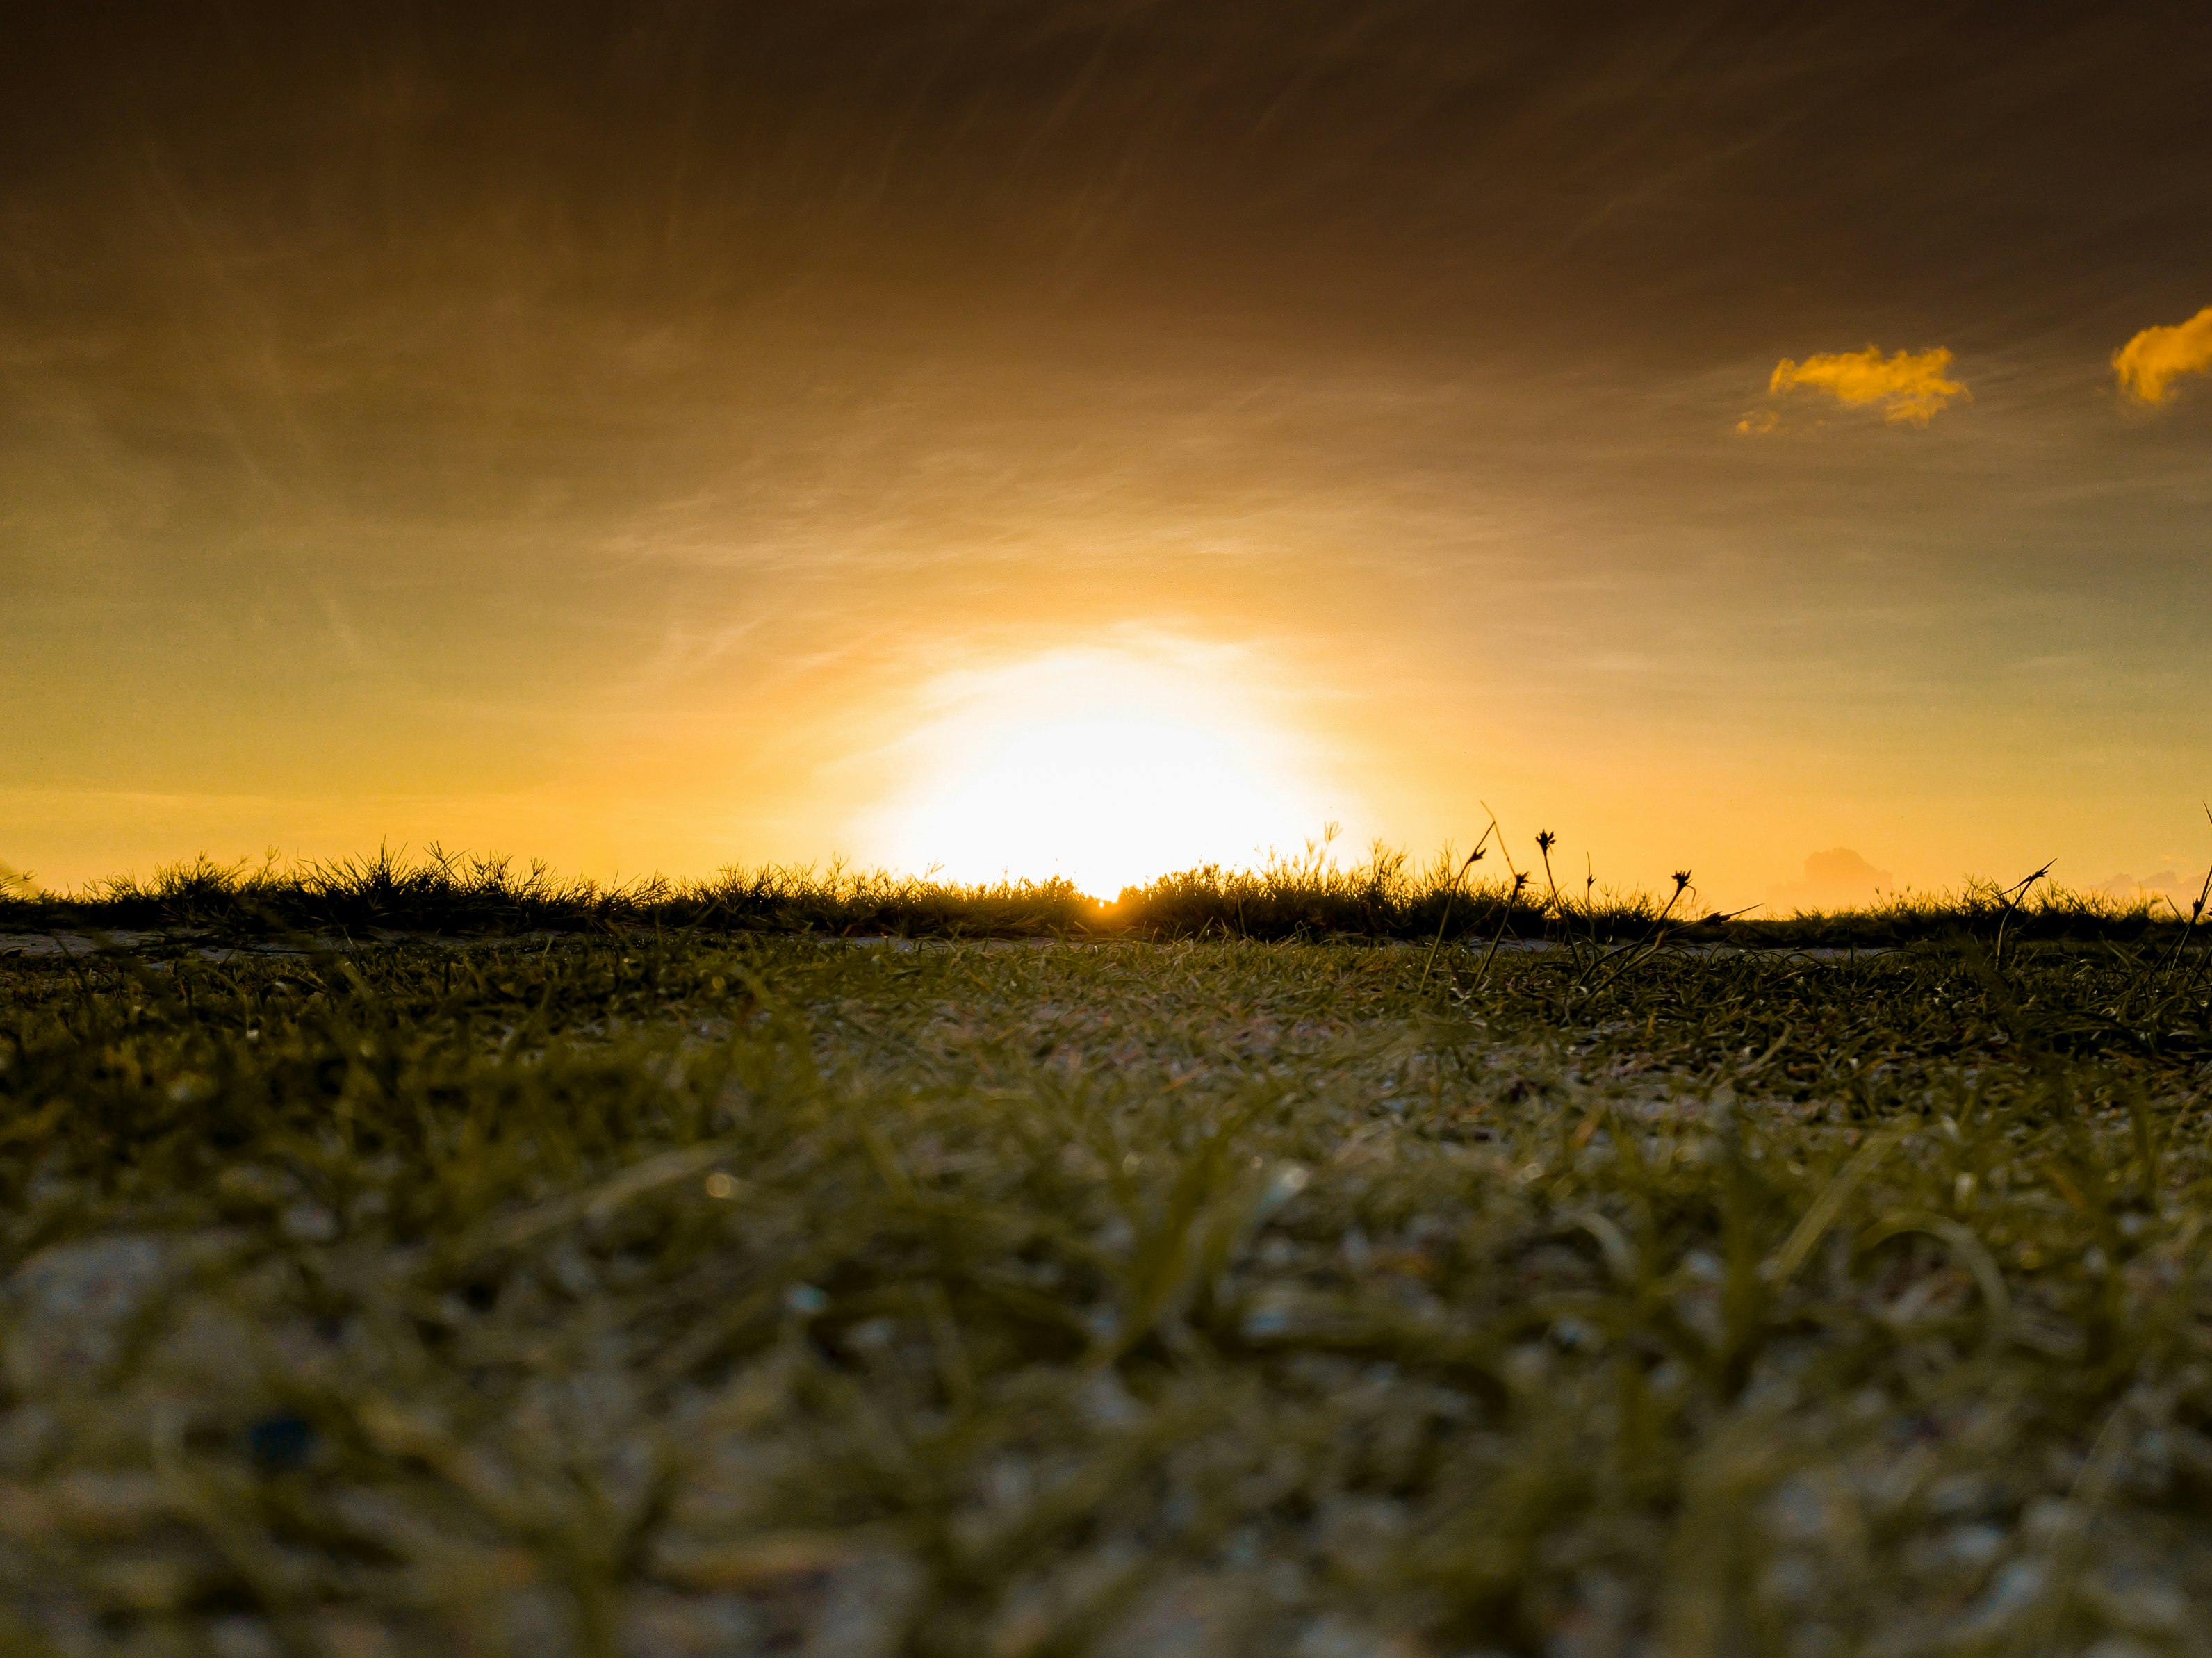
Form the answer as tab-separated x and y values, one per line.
1105	437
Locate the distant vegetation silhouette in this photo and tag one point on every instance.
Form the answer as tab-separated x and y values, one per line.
1386	895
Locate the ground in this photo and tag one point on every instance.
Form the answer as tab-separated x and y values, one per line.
669	1294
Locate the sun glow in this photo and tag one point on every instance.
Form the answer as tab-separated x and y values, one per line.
1107	766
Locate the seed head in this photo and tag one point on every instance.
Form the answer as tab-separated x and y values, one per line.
1546	840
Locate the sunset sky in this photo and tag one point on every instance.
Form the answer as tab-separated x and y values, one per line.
1105	436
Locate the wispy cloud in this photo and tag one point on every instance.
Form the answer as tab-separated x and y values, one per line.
2148	364
1913	387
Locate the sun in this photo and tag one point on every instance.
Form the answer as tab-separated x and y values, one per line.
1106	766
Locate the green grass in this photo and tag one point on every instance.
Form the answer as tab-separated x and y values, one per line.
665	1294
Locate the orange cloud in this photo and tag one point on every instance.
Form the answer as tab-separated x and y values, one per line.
1838	878
2148	364
1910	385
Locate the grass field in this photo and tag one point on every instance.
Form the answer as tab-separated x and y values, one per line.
1312	897
661	1293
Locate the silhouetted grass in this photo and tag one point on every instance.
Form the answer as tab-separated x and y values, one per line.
470	896
1313	897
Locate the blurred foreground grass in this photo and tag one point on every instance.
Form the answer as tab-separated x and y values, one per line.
662	1295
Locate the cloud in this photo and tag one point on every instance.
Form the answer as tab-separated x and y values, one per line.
2181	889
1911	385
2148	364
1838	878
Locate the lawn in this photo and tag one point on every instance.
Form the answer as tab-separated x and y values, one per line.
668	1293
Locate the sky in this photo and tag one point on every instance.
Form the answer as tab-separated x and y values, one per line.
1092	437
